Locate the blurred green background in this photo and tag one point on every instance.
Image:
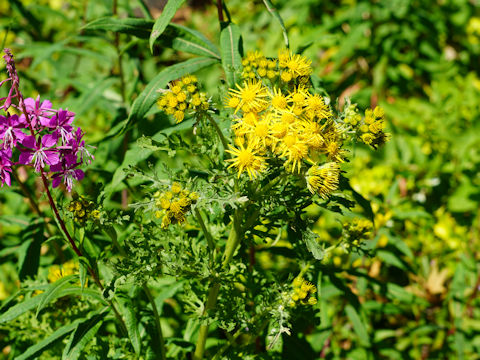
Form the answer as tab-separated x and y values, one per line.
417	59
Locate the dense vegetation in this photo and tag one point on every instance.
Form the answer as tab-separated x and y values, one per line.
240	179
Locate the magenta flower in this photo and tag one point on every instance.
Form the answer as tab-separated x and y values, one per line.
5	166
66	171
11	131
38	113
60	123
39	154
78	146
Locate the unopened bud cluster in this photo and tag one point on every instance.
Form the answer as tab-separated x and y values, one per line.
286	67
370	130
174	204
303	292
83	210
356	231
181	96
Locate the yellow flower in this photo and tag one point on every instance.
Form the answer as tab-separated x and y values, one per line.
251	96
56	272
297	65
295	150
323	180
278	100
246	159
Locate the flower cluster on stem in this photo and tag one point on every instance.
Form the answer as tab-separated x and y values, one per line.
42	137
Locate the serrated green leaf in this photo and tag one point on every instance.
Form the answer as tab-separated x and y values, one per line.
311	241
84	332
358	325
38	348
161	23
231	49
132	26
53	290
131	323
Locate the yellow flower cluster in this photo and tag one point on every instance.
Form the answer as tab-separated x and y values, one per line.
83	210
303	292
287	67
357	230
174	204
371	129
281	118
56	272
181	96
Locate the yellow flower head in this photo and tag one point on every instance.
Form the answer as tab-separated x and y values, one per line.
251	96
246	159
323	179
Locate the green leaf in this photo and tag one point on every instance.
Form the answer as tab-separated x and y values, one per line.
136	154
38	348
53	290
149	95
182	38
231	50
271	9
161	23
29	251
131	323
82	335
358	325
364	203
21	308
132	26
311	240
29	304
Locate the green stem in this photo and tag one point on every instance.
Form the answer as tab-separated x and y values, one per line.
113	235
207	234
219	132
232	242
157	321
202	335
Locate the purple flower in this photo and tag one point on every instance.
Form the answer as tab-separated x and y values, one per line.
60	123
39	113
39	154
66	171
5	166
11	131
77	146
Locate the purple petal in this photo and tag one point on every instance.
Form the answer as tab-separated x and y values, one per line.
30	142
79	174
49	140
56	180
52	157
25	157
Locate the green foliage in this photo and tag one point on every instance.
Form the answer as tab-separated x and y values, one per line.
219	283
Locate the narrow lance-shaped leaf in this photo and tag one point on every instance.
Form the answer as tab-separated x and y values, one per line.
132	26
131	323
35	350
83	334
358	325
161	23
231	50
53	290
271	9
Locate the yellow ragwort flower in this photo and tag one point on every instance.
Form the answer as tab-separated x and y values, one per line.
246	159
